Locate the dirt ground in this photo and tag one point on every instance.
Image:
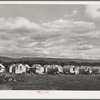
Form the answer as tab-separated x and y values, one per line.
54	82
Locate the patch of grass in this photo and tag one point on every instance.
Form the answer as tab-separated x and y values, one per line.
56	82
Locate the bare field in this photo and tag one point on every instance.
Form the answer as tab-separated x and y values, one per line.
54	82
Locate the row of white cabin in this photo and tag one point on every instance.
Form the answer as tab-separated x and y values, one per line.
23	68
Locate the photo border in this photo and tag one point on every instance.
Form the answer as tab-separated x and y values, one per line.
59	95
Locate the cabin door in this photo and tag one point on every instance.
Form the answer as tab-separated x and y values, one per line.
13	70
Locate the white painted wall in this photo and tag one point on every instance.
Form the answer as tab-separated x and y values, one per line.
20	69
10	68
71	69
77	70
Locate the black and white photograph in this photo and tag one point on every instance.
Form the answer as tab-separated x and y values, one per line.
50	47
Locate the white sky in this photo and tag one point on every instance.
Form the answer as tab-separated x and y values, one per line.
66	31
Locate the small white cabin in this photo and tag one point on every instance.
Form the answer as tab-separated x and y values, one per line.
38	68
60	69
74	69
27	67
70	69
46	68
88	69
2	68
18	69
11	67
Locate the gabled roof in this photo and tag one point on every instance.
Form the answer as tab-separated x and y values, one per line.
16	65
55	65
26	65
11	65
2	65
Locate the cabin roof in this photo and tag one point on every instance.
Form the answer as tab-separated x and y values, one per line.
11	65
2	65
16	65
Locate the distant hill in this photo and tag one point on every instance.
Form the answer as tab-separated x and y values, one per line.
62	59
5	58
8	59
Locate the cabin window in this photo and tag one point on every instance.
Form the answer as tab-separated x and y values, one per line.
20	67
73	69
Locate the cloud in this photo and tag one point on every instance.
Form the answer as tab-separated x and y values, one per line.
17	24
59	38
74	12
77	26
85	47
93	11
